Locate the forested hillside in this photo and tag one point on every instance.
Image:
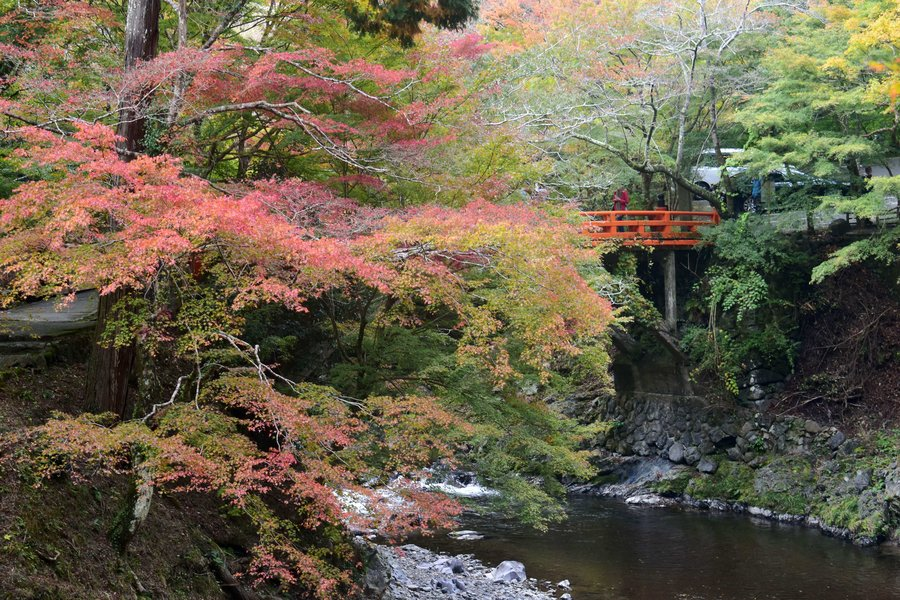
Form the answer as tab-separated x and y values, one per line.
338	259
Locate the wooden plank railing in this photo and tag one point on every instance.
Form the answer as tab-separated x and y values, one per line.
672	228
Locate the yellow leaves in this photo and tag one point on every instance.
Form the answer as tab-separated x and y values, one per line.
838	66
509	272
884	30
836	13
885	87
879	39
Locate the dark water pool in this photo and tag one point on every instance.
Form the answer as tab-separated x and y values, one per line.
612	551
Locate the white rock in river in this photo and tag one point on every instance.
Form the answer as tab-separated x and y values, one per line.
466	535
509	571
649	500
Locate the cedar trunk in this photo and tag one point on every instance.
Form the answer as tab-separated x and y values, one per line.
141	42
110	368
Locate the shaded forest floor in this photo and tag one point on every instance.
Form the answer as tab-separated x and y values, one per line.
848	365
53	537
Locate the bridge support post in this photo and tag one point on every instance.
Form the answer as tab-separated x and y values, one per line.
671	319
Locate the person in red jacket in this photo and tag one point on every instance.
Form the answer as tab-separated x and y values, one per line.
620	202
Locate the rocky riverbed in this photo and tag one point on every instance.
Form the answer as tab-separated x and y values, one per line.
411	572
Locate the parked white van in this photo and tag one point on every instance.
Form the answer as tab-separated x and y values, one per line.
708	173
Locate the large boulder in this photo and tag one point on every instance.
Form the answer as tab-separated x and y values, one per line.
835	441
765	377
862	479
676	452
892	482
509	571
691	455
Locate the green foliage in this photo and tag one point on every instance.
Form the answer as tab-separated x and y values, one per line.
747	297
828	109
517	445
127	318
401	19
881	248
849	513
673	486
732	482
819	107
737	482
746	252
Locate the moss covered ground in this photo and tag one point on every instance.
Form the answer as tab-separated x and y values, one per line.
845	490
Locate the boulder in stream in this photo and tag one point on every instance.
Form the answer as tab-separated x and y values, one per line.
508	571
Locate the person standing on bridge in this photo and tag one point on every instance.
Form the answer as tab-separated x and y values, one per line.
620	202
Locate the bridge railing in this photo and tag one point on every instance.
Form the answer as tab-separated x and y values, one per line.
649	227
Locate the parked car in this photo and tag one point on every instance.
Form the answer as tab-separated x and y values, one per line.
708	174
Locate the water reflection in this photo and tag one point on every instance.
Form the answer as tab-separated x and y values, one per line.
611	551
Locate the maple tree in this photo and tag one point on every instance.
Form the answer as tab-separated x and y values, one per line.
827	108
504	277
197	83
220	174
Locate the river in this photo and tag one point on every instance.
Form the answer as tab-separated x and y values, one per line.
612	551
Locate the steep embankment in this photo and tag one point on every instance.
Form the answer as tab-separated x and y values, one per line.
734	458
820	445
54	539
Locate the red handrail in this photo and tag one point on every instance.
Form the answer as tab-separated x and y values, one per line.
648	227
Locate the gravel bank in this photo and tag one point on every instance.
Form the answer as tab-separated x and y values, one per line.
413	573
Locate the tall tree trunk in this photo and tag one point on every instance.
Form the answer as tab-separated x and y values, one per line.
110	368
647	189
141	41
182	80
670	292
727	184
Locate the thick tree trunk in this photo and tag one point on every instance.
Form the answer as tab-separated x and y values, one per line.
110	368
182	79
141	41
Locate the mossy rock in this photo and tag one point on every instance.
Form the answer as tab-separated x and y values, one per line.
732	482
672	486
863	515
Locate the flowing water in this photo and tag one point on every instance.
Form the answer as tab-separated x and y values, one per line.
612	551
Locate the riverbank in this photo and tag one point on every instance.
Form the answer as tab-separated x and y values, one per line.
411	572
850	495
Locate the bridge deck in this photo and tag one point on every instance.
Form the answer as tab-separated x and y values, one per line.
663	228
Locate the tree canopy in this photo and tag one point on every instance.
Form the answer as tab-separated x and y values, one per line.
338	243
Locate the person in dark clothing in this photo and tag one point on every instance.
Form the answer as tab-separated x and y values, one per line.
755	195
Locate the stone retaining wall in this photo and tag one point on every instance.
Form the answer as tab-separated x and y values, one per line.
684	429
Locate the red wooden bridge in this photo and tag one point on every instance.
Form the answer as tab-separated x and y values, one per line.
663	228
